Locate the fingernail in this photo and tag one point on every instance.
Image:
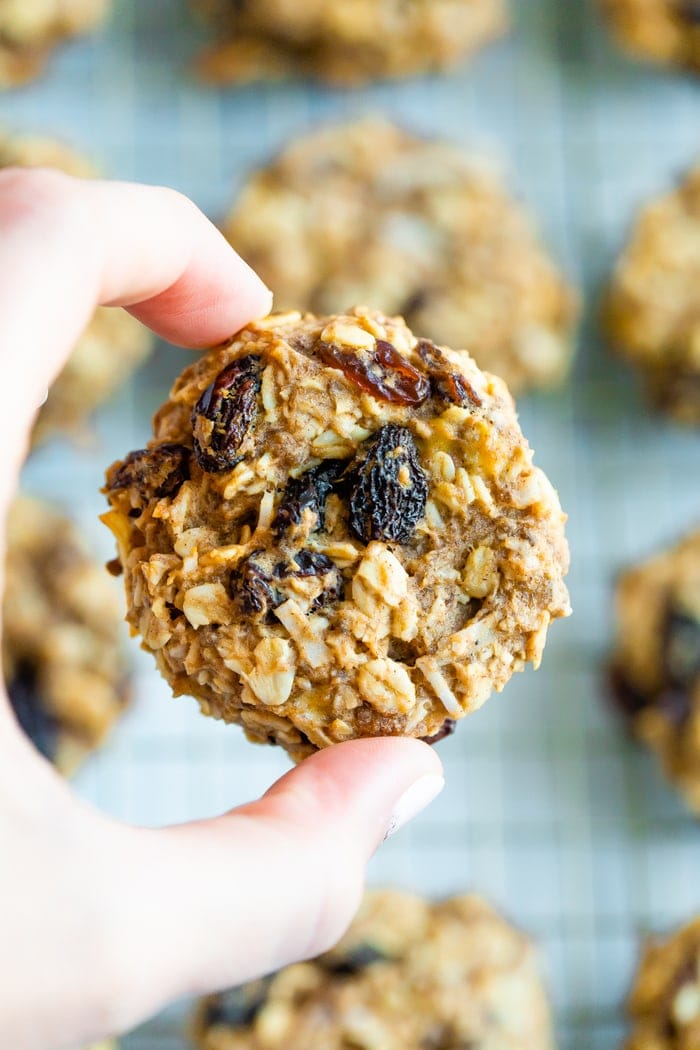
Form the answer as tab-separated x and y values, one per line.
414	800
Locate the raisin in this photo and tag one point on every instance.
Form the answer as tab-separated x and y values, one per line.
152	473
237	1007
383	373
355	960
681	648
38	724
307	564
259	582
445	384
389	488
447	729
689	11
224	414
252	584
308	492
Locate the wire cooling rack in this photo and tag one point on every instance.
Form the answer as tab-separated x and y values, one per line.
549	810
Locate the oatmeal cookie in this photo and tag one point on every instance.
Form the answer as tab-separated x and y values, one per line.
369	213
31	29
656	660
113	344
664	1005
345	43
652	311
407	976
338	532
62	660
665	31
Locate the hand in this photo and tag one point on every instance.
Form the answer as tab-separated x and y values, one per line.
101	924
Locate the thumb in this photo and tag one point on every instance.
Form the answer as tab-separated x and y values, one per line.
218	902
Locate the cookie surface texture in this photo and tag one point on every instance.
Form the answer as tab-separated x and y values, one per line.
337	532
62	658
368	213
408	975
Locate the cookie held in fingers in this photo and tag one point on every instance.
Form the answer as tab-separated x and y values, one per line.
344	42
652	309
367	212
337	532
408	975
64	668
655	674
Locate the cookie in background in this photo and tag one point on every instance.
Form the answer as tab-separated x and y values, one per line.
664	31
369	213
64	668
656	660
664	1005
408	975
652	308
31	29
344	42
113	344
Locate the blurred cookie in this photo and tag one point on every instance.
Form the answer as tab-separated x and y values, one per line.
31	29
407	976
113	344
665	31
344	41
337	532
367	213
63	665
656	660
652	311
664	1006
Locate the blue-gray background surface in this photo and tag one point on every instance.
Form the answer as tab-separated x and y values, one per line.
548	809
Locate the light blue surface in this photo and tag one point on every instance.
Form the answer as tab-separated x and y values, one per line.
548	809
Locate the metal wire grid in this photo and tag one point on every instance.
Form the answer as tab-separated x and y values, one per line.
549	810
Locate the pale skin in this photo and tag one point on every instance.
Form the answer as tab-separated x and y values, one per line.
102	924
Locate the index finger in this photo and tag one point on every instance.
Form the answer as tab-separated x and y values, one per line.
68	245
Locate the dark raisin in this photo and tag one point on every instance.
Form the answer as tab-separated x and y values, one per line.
225	413
389	488
447	729
445	384
383	372
151	473
355	960
237	1007
689	11
626	697
252	584
681	648
306	564
38	724
308	492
